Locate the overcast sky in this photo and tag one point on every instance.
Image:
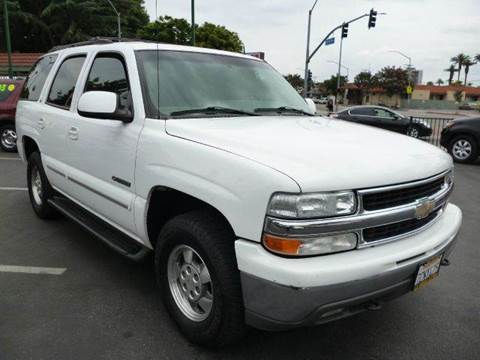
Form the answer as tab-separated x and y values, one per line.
429	31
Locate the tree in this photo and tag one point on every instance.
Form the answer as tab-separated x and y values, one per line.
365	81
459	60
393	80
179	31
330	85
451	70
295	80
167	29
439	82
430	83
468	62
40	24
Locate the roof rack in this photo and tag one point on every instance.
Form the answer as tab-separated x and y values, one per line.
98	40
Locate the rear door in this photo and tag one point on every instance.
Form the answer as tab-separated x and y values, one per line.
102	152
55	115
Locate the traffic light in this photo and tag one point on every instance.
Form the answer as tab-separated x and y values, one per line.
310	79
372	19
344	30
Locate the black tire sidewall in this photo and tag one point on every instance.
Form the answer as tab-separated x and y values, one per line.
211	332
3	127
473	156
44	211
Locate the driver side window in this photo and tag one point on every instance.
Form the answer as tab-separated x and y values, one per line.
108	73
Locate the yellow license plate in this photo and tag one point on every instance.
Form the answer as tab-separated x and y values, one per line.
427	272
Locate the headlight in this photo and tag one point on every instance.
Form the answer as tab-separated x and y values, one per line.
314	205
325	244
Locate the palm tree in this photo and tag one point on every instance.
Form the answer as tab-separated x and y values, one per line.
452	71
439	82
459	60
467	63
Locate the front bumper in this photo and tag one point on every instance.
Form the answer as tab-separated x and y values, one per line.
281	293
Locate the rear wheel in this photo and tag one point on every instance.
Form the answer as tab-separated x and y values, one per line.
198	276
39	189
463	149
8	138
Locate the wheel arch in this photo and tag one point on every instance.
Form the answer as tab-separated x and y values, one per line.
164	203
29	146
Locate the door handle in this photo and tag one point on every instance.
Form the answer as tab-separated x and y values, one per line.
73	133
41	123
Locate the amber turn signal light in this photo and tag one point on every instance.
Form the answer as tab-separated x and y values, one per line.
281	245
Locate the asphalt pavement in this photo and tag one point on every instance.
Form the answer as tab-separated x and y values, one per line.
84	301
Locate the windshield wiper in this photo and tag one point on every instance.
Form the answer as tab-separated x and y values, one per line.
282	110
212	110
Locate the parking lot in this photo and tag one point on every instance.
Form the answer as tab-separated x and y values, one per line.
83	301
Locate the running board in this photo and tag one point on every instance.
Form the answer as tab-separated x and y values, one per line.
114	238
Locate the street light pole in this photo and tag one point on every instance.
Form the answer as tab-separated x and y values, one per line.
338	72
409	71
307	57
119	24
343	66
7	39
193	22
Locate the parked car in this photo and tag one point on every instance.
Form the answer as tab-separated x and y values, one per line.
321	100
385	118
9	93
461	137
257	212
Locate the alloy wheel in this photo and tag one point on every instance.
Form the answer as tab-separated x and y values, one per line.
37	187
190	283
8	138
462	149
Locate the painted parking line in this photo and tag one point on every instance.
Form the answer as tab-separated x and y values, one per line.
32	270
10	158
13	189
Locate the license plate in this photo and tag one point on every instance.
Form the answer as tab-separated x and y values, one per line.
427	272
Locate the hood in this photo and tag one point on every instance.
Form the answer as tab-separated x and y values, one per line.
320	154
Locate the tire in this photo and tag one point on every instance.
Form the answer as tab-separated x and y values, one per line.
211	242
464	149
39	189
413	131
8	138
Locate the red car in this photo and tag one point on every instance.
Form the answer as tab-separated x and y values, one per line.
9	93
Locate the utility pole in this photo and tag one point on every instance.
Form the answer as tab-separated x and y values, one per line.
119	24
7	39
193	22
307	57
409	71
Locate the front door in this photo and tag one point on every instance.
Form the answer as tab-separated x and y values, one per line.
102	152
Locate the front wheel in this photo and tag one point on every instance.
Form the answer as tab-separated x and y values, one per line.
8	138
413	132
198	276
463	149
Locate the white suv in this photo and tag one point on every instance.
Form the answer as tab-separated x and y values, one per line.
258	212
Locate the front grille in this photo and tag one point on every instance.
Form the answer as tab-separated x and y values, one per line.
392	198
395	229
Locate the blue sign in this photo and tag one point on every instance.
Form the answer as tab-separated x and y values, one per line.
330	41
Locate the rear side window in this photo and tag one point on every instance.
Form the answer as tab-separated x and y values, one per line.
108	73
36	79
362	111
63	87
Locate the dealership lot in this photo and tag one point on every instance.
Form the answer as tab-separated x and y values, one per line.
64	295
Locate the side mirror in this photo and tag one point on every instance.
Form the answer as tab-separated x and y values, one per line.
101	105
311	105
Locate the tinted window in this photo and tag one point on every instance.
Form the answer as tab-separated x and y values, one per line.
383	113
35	81
61	92
108	74
6	90
362	111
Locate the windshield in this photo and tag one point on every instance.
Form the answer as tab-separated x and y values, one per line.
189	84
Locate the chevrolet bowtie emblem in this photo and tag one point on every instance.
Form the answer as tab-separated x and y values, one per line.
424	208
